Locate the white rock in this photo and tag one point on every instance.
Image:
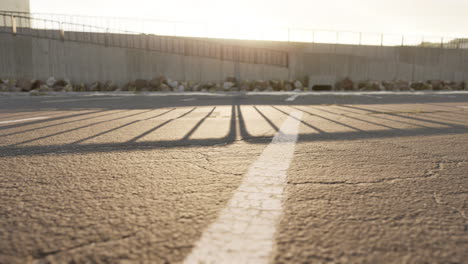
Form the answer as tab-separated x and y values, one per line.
381	87
95	86
227	85
34	92
173	84
51	81
298	85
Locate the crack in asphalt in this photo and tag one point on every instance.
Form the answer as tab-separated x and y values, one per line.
211	170
43	255
438	200
428	174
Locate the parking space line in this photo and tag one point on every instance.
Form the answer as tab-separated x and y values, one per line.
441	95
245	229
292	98
22	120
373	96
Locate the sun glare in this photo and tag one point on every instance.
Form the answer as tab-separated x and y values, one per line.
257	20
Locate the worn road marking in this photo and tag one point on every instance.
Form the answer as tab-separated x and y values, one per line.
189	99
292	98
373	96
245	229
22	120
441	95
77	100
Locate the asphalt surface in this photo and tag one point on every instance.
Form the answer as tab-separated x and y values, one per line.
374	178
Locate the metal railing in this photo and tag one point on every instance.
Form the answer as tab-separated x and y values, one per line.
15	23
212	30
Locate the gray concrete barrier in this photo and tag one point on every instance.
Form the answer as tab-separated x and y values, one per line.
32	57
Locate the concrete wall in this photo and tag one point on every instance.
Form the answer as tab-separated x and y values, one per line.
15	5
380	63
27	57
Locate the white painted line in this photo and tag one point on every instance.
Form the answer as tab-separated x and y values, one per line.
245	230
372	96
22	120
77	100
466	107
442	95
189	99
292	98
162	94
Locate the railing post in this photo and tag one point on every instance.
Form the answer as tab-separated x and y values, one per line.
13	25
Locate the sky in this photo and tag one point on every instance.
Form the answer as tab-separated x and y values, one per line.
409	17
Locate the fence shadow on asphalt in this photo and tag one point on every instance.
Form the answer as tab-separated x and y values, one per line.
382	116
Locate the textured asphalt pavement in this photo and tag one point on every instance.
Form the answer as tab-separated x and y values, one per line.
114	178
